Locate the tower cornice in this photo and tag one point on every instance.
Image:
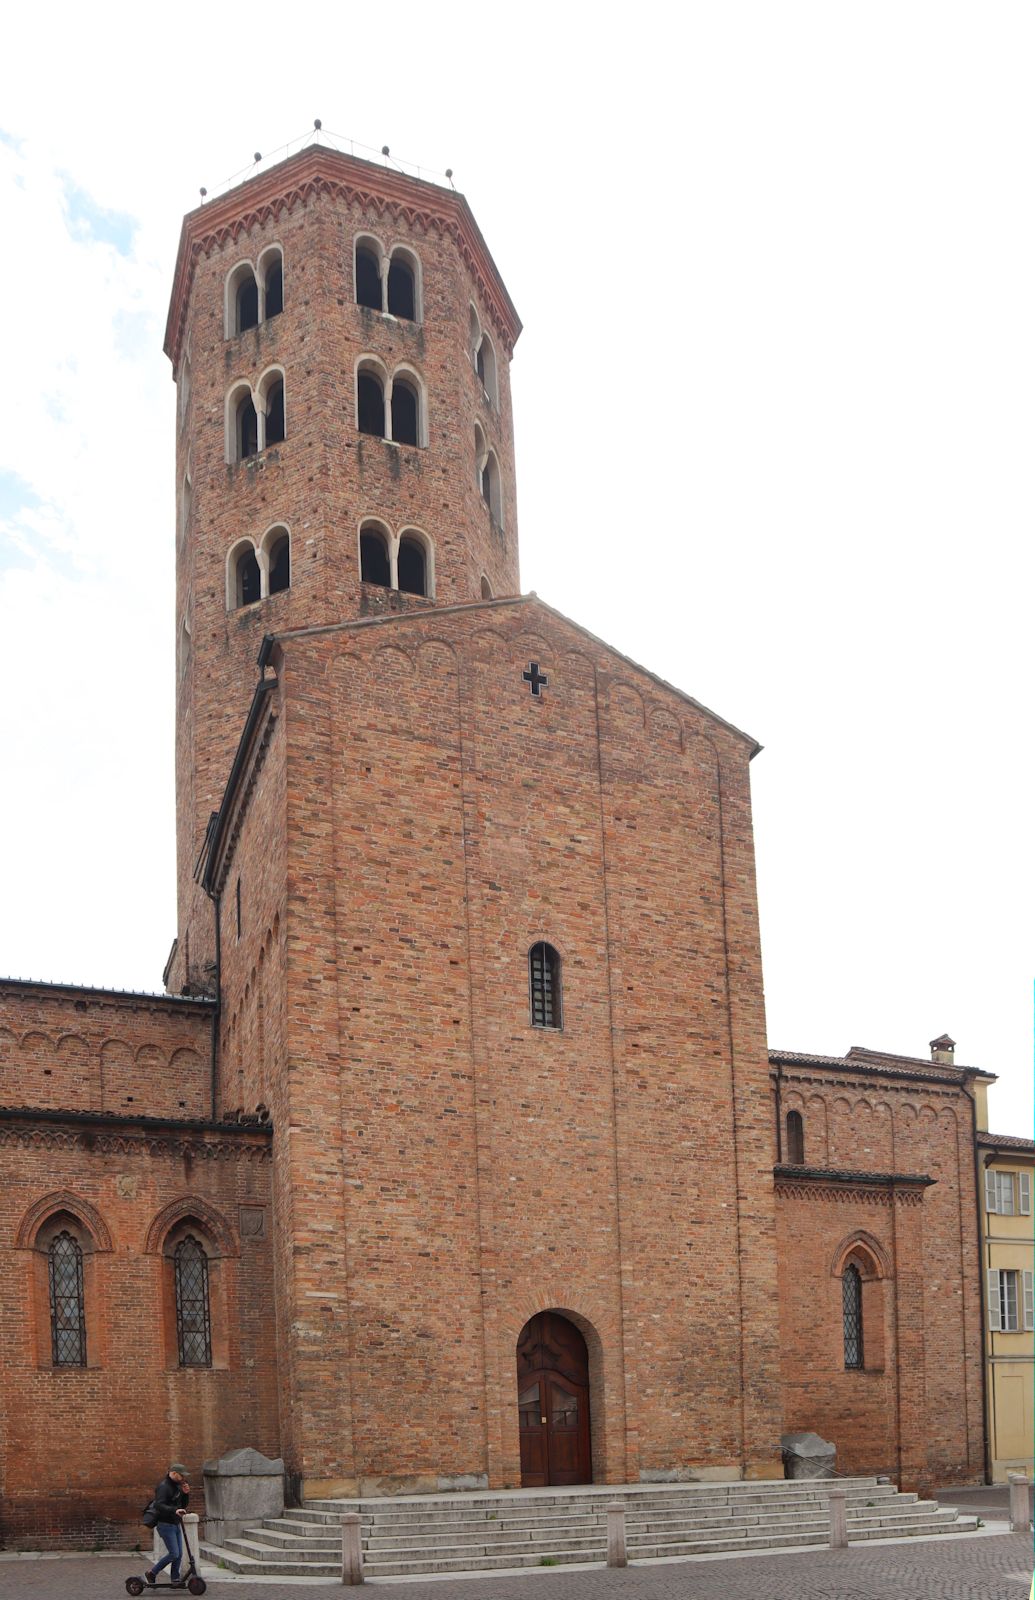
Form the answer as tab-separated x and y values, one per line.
319	170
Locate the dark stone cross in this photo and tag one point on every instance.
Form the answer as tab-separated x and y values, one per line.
537	681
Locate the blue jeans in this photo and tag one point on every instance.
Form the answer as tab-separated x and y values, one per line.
171	1535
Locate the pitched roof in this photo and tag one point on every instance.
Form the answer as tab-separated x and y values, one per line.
1006	1141
884	1064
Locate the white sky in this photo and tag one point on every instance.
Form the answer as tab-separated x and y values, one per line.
774	418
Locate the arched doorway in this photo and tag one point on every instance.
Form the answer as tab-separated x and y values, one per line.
553	1402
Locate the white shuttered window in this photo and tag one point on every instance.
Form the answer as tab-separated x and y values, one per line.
1024	1185
1002	1300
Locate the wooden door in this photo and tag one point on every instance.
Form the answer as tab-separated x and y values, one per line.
553	1402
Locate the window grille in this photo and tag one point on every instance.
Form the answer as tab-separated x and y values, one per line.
193	1324
851	1301
544	978
67	1312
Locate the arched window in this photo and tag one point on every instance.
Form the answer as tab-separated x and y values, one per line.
795	1139
370	403
852	1310
273	284
492	492
368	278
412	566
246	302
245	585
544	986
486	588
67	1303
275	412
474	333
374	564
246	429
405	413
402	288
485	364
193	1319
279	559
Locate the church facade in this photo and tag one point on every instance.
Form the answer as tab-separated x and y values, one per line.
454	1154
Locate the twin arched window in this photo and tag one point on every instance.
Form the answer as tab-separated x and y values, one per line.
387	282
390	405
544	986
255	294
255	418
255	572
406	564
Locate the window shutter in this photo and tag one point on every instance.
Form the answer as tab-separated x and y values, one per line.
995	1314
990	1204
1029	1303
1024	1184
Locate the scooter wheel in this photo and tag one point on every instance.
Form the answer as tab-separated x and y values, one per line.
197	1585
134	1585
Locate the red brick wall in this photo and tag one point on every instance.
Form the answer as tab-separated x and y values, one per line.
81	1448
450	1170
325	477
92	1050
921	1417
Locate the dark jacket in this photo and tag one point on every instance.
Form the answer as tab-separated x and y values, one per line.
169	1498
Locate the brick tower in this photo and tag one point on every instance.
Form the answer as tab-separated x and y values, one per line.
340	338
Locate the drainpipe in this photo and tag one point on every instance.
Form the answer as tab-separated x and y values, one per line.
982	1291
779	1113
217	903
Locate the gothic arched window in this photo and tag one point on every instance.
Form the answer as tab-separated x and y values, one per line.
193	1319
795	1139
852	1309
544	986
67	1304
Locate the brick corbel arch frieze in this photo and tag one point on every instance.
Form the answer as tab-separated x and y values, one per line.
62	1200
191	1208
867	1245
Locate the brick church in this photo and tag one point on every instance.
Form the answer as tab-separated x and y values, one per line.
454	1154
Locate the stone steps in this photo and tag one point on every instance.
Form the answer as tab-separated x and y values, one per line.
488	1532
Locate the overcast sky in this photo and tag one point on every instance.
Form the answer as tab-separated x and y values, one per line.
773	409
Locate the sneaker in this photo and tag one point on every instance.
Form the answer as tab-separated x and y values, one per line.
150	1579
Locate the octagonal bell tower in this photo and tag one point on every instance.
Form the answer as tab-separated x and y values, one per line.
340	339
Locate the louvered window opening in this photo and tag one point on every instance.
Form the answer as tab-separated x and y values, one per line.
67	1311
851	1299
544	968
193	1324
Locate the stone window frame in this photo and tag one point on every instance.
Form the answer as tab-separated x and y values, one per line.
371	365
385	255
262	549
234	278
240	390
393	540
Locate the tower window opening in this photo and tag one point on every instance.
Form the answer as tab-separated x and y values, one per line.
275	413
247	578
486	588
402	297
368	278
544	986
795	1139
485	365
247	429
374	565
405	414
274	287
491	488
280	564
412	566
371	405
247	303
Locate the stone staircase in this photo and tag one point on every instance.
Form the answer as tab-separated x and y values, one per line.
484	1532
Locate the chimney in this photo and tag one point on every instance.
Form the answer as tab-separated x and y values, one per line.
943	1049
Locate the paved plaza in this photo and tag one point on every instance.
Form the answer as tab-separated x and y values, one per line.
988	1566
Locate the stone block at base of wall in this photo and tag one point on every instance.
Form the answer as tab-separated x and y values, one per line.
240	1489
806	1455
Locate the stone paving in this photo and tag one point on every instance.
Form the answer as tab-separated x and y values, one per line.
985	1567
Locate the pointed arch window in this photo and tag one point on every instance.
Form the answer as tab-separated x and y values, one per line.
544	985
795	1139
193	1318
852	1314
67	1303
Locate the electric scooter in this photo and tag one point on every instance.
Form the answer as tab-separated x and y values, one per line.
194	1582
